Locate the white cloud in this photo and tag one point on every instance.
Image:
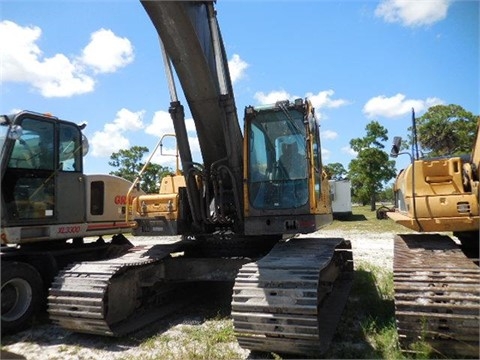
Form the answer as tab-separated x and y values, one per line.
161	124
324	100
328	134
195	148
105	143
23	61
107	52
397	105
190	125
112	138
165	160
272	97
18	50
57	76
349	151
237	67
325	154
127	120
413	12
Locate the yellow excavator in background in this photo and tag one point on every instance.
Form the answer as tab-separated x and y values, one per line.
157	214
436	279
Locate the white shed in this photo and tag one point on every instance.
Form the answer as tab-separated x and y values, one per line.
341	197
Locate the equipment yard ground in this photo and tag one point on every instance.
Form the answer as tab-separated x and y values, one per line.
175	335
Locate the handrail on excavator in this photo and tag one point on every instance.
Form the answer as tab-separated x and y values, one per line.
139	176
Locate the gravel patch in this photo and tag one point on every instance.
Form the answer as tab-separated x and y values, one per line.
374	248
47	341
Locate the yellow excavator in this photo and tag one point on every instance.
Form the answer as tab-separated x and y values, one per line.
437	277
239	213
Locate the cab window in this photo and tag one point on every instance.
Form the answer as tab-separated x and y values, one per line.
35	148
28	187
69	148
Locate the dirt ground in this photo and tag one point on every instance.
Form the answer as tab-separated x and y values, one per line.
47	341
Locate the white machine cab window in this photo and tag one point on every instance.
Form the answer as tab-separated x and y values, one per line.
35	148
29	183
70	148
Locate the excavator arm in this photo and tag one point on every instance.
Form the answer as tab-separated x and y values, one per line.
185	29
191	41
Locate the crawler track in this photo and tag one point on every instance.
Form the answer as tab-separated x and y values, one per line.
116	296
291	300
437	294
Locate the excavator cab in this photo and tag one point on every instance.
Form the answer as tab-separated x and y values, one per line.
284	188
41	163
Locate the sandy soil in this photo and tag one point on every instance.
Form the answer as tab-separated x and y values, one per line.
46	341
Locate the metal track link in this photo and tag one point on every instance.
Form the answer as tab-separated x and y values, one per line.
113	297
290	301
437	294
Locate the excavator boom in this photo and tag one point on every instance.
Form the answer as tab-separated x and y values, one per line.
186	31
191	41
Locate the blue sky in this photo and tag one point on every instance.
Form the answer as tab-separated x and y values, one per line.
100	62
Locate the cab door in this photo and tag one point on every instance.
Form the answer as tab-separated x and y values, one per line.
70	189
28	183
43	181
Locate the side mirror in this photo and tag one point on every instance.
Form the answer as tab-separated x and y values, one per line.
15	132
85	145
397	143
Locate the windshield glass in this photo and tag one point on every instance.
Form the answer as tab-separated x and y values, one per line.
278	164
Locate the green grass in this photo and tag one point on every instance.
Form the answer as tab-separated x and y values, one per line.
378	325
363	219
370	314
209	340
367	329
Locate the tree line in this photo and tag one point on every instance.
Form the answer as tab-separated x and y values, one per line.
442	130
130	162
